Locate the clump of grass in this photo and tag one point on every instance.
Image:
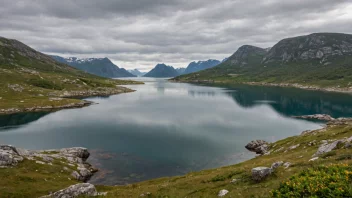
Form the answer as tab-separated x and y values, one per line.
322	181
225	177
344	157
44	84
328	154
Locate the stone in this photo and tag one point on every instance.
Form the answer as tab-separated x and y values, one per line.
9	156
234	181
76	154
260	173
287	165
313	159
293	147
325	147
258	146
39	162
77	190
85	174
276	165
222	193
47	159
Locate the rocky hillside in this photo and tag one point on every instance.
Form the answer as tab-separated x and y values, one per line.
98	66
318	46
200	65
136	72
33	81
162	71
319	60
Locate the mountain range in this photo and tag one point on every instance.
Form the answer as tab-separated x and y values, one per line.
98	66
319	59
200	65
136	72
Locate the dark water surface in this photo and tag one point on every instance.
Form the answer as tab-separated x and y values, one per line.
166	129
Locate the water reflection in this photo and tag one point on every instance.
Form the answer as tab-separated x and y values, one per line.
166	129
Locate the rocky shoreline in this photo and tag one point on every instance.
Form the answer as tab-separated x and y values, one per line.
68	94
294	85
73	161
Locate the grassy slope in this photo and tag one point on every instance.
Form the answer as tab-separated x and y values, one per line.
40	76
208	183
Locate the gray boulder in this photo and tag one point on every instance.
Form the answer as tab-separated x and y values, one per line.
75	154
258	146
9	156
325	147
84	189
222	193
260	173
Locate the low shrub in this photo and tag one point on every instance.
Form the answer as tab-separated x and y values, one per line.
328	154
322	181
44	84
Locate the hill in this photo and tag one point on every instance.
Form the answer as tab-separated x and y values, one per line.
33	81
98	66
319	60
200	65
162	71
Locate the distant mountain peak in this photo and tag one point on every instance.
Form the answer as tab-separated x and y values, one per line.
196	66
162	70
98	66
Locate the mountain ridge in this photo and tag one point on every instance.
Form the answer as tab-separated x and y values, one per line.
162	71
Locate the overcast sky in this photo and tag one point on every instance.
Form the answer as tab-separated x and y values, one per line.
141	33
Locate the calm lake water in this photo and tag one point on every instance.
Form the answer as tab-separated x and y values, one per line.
166	129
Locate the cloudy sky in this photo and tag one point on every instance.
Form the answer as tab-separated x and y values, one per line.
141	33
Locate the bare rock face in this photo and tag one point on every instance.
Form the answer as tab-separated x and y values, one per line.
258	146
260	173
77	190
9	156
75	154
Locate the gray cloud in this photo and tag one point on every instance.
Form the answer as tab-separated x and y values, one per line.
142	33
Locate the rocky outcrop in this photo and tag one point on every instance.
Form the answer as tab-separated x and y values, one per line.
78	190
326	147
9	156
276	165
258	146
76	157
260	173
317	46
322	117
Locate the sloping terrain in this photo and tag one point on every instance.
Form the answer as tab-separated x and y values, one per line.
32	81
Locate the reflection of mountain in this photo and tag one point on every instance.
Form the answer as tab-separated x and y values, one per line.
290	101
201	93
20	119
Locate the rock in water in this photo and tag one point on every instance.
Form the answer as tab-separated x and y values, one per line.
260	173
76	154
222	193
76	190
258	146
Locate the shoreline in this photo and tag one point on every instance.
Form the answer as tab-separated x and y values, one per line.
287	85
80	95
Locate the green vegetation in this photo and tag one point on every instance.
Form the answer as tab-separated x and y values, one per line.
248	66
29	79
29	179
323	181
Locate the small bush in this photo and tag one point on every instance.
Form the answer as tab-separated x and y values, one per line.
44	84
322	181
